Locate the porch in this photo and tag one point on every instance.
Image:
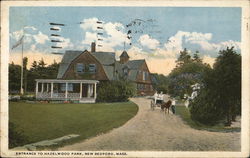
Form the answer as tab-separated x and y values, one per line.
53	89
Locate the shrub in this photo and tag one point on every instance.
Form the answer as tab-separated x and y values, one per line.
115	91
16	136
205	109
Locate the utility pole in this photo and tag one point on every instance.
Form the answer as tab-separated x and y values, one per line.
21	90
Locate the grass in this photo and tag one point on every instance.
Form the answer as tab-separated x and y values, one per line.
41	121
184	113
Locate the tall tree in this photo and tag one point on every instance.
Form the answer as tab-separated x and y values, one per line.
221	96
227	70
183	58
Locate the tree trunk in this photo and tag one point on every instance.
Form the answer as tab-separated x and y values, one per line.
228	123
234	117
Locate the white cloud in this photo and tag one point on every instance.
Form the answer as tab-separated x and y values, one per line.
113	34
89	37
41	38
147	41
89	24
175	43
65	42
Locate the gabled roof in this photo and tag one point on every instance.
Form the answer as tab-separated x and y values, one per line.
132	65
124	54
107	59
68	57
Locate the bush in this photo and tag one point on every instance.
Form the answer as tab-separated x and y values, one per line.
16	136
115	91
204	109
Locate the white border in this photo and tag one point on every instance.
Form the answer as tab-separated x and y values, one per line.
245	35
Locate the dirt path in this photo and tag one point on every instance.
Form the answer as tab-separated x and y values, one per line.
154	131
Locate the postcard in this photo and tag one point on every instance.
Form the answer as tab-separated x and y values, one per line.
125	79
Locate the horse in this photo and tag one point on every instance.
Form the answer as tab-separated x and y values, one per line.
166	106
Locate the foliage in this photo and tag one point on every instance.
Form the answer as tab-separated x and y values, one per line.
37	70
184	58
160	83
221	96
46	121
16	136
205	108
188	71
14	77
184	113
115	91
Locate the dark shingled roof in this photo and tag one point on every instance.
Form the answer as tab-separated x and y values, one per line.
133	67
68	57
107	59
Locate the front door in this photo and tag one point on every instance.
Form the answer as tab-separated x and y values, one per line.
84	90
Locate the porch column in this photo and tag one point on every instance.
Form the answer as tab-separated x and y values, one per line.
81	90
47	87
52	86
42	87
88	91
66	90
95	92
36	88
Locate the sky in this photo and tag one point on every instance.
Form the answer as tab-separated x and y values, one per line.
157	35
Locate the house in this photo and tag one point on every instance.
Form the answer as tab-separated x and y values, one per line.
80	71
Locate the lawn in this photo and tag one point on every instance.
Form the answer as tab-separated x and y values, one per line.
184	113
41	121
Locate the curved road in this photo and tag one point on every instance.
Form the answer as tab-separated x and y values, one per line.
155	131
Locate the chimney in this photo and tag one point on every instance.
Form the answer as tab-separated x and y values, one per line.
93	47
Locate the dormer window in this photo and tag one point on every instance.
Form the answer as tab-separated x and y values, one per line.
80	67
125	71
92	68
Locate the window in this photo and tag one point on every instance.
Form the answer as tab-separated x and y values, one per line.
143	75
79	67
125	71
92	68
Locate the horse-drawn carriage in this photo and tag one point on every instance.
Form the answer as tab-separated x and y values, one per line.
157	101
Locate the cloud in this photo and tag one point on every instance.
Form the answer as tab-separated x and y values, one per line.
65	43
113	34
40	38
33	38
202	39
148	42
89	24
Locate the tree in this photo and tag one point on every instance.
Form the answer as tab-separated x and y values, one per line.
14	78
221	96
196	57
183	58
188	71
227	70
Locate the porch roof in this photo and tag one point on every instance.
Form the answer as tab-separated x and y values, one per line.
64	81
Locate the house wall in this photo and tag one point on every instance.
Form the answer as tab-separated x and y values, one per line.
144	86
85	58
